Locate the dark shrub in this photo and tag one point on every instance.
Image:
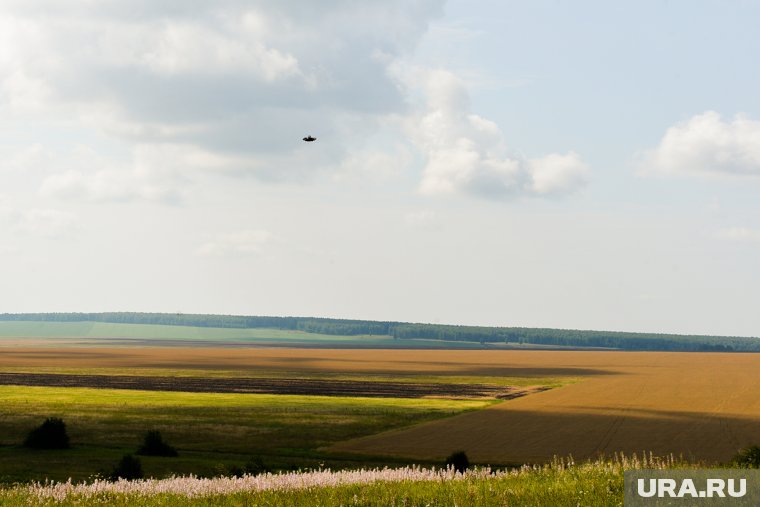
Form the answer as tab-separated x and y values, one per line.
255	466
458	461
50	435
748	458
234	471
154	445
128	468
221	470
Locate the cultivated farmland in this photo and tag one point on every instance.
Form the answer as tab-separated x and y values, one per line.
701	405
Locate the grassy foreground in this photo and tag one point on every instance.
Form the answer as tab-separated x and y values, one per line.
210	430
597	483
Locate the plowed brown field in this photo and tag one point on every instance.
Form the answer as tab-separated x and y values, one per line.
295	386
699	405
704	406
255	359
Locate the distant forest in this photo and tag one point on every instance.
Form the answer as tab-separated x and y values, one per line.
402	330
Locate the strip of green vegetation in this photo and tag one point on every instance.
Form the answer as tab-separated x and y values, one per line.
45	329
57	334
18	329
210	430
405	331
586	486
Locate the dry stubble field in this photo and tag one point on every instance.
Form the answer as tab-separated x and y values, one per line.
703	406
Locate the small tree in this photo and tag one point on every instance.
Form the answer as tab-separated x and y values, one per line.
459	461
128	468
748	458
49	435
154	445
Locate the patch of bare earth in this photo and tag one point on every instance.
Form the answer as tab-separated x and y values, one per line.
316	387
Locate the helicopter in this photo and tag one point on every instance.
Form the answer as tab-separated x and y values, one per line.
309	139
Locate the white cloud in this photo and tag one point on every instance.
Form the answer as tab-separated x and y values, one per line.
154	172
557	174
708	145
420	219
248	242
467	153
232	86
24	159
375	164
739	234
6	209
228	87
106	185
189	47
25	93
239	80
48	223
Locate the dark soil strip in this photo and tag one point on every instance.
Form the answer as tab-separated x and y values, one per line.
317	387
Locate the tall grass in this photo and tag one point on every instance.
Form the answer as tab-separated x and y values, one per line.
562	482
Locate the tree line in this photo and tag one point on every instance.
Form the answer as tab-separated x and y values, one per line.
402	330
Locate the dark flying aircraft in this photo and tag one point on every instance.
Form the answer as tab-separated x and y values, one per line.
309	139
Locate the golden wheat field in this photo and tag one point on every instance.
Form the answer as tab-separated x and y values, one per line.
703	406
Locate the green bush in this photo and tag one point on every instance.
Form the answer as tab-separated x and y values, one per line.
154	445
748	458
459	461
128	468
49	435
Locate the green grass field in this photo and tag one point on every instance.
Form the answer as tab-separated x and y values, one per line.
14	329
597	483
57	334
210	430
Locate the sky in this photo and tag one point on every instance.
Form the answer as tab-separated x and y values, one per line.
587	165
